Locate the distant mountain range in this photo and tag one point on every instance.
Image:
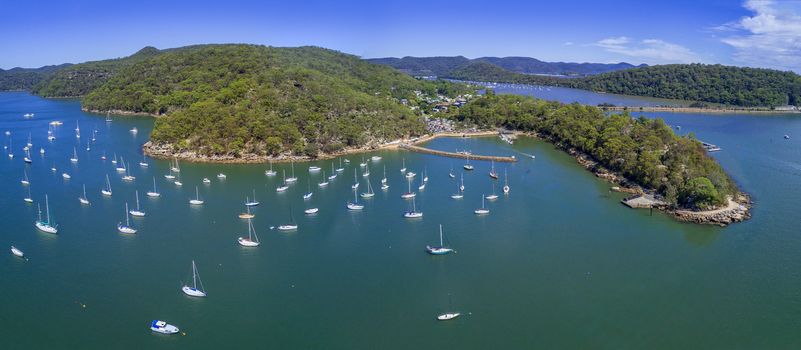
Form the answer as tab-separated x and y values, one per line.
445	66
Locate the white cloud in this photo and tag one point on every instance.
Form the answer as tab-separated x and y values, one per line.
568	43
771	37
650	50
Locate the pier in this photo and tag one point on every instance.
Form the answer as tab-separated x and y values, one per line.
419	149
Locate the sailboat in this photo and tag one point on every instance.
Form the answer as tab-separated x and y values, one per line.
403	167
197	200
340	169
74	158
194	291
270	172
252	239
221	176
505	183
310	211
355	204
66	176
284	185
128	176
25	180
369	193
493	196
94	134
291	226
50	136
114	161
53	168
46	226
413	213
107	190
27	157
308	194
252	203
333	172
88	146
493	174
384	179
29	144
461	187
175	167
41	150
483	210
323	183
17	252
108	117
206	181
169	176
292	178
121	167
77	130
355	181
449	315
127	228
422	184
363	163
450	173
425	175
409	194
143	163
137	212
103	157
28	199
247	214
366	172
314	169
154	192
83	199
468	166
441	249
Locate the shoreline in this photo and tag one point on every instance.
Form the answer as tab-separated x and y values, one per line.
120	112
707	110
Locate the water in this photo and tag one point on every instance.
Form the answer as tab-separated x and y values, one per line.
558	263
568	95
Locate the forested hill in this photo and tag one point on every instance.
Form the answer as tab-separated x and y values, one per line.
736	86
446	66
26	78
243	100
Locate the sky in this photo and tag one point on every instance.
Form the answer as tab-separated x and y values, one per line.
756	33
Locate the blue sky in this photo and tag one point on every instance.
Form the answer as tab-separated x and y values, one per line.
759	33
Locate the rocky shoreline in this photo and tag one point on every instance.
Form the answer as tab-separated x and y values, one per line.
120	112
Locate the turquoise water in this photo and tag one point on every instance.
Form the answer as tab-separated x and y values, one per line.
558	263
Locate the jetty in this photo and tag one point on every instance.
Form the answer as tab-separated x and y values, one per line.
419	149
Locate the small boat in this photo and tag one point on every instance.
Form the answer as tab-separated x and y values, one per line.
270	172
323	183
347	161
384	187
410	175
355	204
291	226
28	199
412	214
178	183
25	180
375	158
163	327
311	211
314	169
77	130
450	173
175	167
66	176
284	185
369	193
425	175
154	192
441	249
409	193
461	187
143	163
134	130
83	198
355	181
127	228
194	291
88	146
206	180
786	137
53	168
103	157
252	203
247	214
41	150
114	161
493	174
292	178
467	165
483	210
403	167
197	200
252	240
309	193
169	176
46	226
108	117
341	169
448	316
17	252
221	176
28	115
422	184
505	183
128	176
493	196
366	172
333	172
56	123
384	179
363	163
137	212
107	190
121	167
74	158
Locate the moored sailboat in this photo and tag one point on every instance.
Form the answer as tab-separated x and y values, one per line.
252	240
194	291
441	249
46	226
127	228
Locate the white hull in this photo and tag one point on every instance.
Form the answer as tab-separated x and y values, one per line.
413	214
163	327
445	317
251	204
311	211
192	292
281	189
221	176
270	173
195	202
353	206
178	183
46	228
314	169
126	229
153	194
367	195
287	227
206	180
106	193
492	197
83	200
247	243
481	211
408	195
505	189
322	184
169	177
137	213
308	195
17	252
66	176
291	179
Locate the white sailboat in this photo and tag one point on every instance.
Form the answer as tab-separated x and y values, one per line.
252	240
309	193
107	190
10	152
53	168
25	180
114	161
128	177
77	130
284	185
28	199
66	176
459	190
103	157
83	199
127	228
369	193
323	183
74	157
450	173
422	184
468	166
355	181
449	315
425	175
196	200
355	204
483	210
175	167
46	226
154	192
121	167
143	163
409	194
137	212
27	157
108	117
270	172
441	249
291	226
333	172
412	214
363	163
505	183
169	176
366	172
493	196
375	158
314	169
194	291
340	169
292	178
252	203
403	167
384	179
493	174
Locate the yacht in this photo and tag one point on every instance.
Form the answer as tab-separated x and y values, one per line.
292	178
369	193
66	176
83	199
355	204
291	226
493	174
154	192
283	186
46	226
127	228
412	214
252	203
137	212
194	291
221	176
441	249
403	167
74	157
310	211
197	200
106	191
270	172
483	210
333	172
314	169
409	193
505	183
355	181
25	180
323	183
252	240
341	169
163	327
